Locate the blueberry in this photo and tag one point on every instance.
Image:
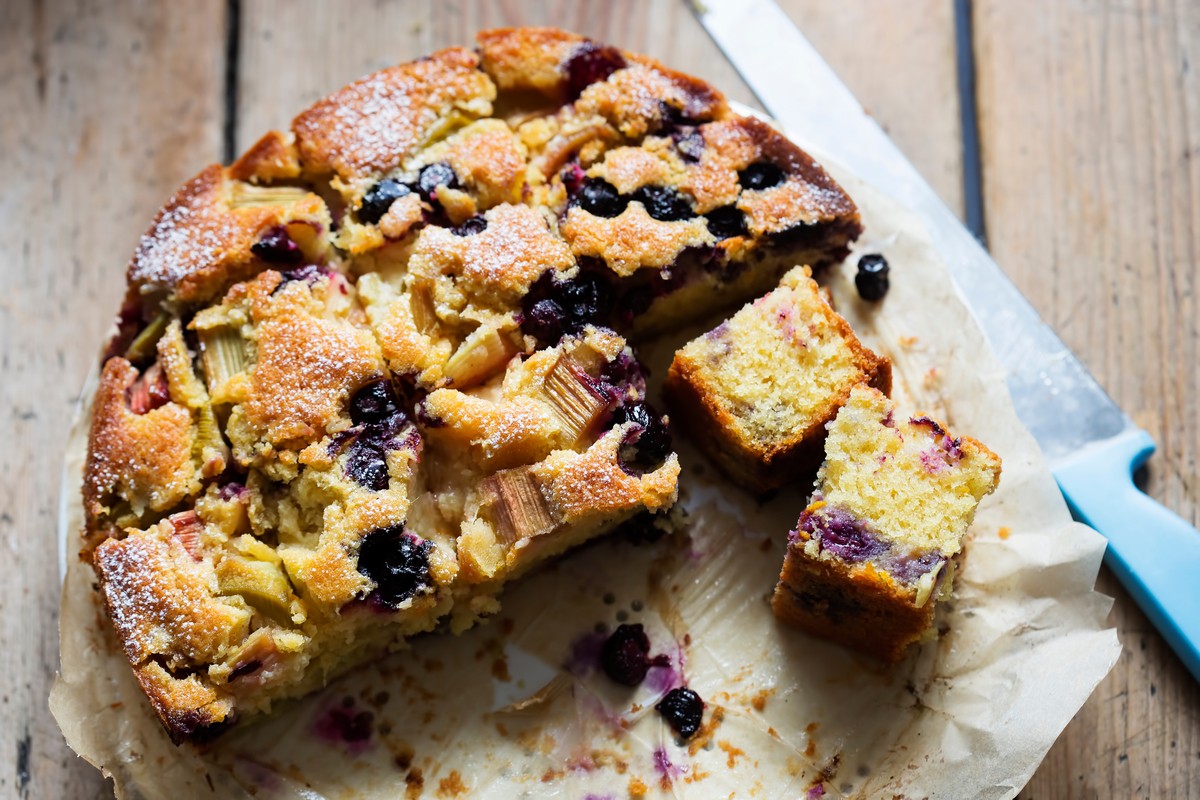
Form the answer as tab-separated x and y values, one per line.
690	146
598	196
471	227
586	298
572	176
433	176
367	463
726	221
626	655
760	175
664	204
647	444
398	563
552	308
872	277
590	63
683	710
276	247
374	402
379	199
546	320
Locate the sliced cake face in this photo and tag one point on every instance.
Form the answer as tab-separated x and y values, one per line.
368	373
874	549
764	384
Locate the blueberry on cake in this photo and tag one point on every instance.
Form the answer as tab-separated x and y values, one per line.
763	385
381	364
876	547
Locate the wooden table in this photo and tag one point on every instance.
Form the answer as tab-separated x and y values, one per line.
1089	128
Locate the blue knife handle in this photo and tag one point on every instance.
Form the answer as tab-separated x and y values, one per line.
1153	552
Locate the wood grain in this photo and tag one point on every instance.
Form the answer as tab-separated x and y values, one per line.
1090	121
96	134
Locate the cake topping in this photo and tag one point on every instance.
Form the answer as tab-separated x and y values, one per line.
398	563
379	199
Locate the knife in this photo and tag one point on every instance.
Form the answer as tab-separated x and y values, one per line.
1092	447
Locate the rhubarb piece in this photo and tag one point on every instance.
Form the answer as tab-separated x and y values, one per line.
877	545
223	356
481	355
515	505
578	399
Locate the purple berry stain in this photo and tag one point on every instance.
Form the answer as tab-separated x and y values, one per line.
841	533
347	725
683	710
625	657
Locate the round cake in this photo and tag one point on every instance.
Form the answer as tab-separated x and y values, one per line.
383	363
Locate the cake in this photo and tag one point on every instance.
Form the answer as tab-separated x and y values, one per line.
380	365
762	385
876	547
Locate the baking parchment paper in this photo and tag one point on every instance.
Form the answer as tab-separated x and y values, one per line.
516	707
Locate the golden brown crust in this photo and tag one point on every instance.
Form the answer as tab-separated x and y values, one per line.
200	241
371	126
527	58
858	607
274	157
142	460
307	366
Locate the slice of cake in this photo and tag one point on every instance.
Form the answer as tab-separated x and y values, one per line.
762	386
875	549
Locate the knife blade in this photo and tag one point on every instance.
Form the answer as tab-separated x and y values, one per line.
1091	445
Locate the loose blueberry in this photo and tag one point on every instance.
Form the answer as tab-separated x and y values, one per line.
397	562
872	278
433	176
590	63
379	199
276	247
664	203
726	221
374	402
760	175
683	710
598	196
626	655
647	444
471	227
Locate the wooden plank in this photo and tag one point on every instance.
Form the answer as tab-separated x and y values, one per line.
898	58
1090	126
106	109
908	81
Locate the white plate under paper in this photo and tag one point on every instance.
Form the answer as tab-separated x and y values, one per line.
512	708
